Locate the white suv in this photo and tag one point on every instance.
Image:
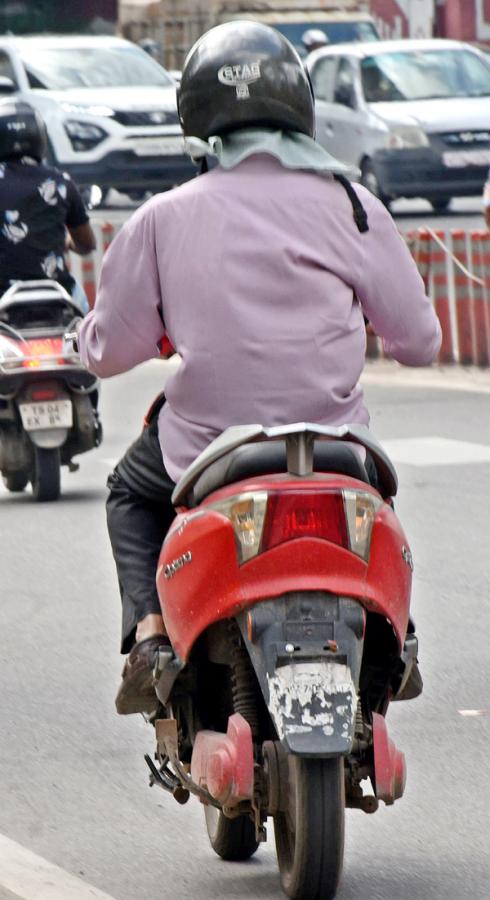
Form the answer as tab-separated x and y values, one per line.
110	110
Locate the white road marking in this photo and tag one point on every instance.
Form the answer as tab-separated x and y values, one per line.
435	451
30	877
448	378
473	712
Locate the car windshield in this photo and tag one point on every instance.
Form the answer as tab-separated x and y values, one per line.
62	68
336	32
424	75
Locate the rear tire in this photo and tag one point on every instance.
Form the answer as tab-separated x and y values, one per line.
232	839
369	180
46	481
15	481
439	204
310	835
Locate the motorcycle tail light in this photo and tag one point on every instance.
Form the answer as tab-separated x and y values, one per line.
262	520
296	514
42	351
43	394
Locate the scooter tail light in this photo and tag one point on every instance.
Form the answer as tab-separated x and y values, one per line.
262	520
40	352
246	513
295	514
361	509
42	394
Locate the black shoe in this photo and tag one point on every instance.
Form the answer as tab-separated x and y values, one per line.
137	692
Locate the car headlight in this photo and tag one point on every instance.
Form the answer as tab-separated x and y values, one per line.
84	135
406	136
75	110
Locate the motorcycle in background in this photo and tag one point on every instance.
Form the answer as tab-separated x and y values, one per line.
284	584
48	400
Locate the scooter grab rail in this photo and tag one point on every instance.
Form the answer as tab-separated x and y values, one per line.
300	438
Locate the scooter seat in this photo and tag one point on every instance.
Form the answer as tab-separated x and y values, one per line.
269	458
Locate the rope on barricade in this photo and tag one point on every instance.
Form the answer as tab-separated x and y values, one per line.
437	238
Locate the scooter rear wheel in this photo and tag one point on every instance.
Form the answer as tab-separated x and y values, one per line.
232	839
310	834
46	481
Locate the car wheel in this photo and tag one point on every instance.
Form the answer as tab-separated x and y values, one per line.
439	204
369	180
138	196
51	155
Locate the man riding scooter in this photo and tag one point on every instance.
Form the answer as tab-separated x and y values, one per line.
260	272
42	214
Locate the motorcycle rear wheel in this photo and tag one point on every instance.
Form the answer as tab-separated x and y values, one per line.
232	839
46	481
310	834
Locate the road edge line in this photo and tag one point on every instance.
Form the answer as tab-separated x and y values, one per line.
31	877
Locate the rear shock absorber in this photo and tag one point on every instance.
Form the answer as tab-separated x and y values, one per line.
243	684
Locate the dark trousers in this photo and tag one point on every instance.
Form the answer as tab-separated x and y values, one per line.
139	514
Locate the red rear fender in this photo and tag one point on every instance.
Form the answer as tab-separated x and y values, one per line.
200	581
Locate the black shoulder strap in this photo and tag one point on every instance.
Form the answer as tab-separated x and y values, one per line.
359	213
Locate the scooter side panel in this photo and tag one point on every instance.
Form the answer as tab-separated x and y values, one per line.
389	574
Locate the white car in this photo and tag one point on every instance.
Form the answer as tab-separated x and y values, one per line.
413	116
110	110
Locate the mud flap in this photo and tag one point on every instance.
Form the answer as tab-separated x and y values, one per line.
313	707
306	650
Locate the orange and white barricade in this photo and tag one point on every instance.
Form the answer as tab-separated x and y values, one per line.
463	299
480	264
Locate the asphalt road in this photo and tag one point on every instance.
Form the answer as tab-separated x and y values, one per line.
73	783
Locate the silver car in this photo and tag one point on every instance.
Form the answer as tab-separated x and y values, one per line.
412	116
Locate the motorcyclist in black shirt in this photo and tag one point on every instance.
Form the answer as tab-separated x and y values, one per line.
42	214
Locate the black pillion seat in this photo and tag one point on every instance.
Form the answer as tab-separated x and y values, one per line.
269	458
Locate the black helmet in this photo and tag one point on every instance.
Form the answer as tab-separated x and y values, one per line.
22	131
244	74
314	38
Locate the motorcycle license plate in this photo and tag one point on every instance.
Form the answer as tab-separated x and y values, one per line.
52	414
165	146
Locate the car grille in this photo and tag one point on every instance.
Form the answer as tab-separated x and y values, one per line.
152	117
466	139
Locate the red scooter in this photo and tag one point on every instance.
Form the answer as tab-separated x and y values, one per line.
284	584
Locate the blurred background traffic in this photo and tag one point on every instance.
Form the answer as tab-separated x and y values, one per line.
411	114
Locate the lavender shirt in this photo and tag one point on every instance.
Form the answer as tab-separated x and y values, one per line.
260	278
